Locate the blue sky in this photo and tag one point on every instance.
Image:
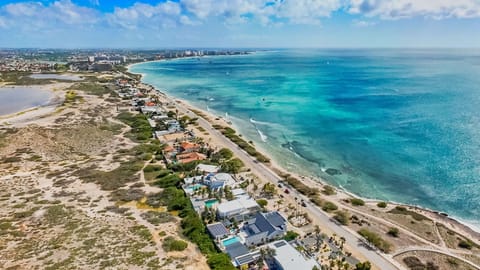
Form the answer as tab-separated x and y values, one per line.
239	23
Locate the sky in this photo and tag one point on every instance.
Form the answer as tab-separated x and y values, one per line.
239	23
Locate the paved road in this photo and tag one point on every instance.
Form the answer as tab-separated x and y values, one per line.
381	261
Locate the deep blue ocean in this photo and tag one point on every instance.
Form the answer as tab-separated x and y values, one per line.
399	125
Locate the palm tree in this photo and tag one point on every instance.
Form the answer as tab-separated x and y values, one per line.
342	242
264	254
318	238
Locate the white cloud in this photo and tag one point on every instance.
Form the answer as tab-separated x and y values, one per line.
167	14
35	15
362	23
3	23
307	11
64	14
262	11
399	9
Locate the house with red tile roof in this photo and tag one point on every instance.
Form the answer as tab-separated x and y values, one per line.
189	157
189	147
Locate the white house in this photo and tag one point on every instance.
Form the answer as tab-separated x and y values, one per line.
207	168
238	208
288	258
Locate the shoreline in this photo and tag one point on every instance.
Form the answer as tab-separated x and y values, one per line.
436	216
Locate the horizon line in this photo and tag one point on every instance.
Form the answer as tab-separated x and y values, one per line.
230	48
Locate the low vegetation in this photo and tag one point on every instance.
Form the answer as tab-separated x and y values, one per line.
250	149
114	179
394	232
382	205
414	263
171	244
328	206
91	88
401	210
156	218
357	202
262	202
342	217
375	240
290	235
328	190
299	185
141	130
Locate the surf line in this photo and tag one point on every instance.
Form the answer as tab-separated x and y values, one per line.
263	137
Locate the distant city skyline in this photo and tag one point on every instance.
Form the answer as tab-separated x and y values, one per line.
240	23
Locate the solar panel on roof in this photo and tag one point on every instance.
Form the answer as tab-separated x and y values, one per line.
217	229
245	259
280	244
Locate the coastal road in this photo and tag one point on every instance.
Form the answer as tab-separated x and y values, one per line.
380	260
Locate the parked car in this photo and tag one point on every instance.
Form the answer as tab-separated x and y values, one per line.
287	191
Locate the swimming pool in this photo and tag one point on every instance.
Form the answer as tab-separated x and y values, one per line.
230	241
193	188
210	203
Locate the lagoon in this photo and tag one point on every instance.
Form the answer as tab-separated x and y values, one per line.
56	77
17	99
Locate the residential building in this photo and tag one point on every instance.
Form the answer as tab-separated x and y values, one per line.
219	180
189	157
238	209
189	147
217	230
288	258
264	227
206	169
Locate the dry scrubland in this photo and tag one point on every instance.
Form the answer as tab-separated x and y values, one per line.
65	183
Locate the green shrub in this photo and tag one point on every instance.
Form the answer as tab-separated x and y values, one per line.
170	244
152	168
357	202
232	166
156	218
342	217
290	235
262	203
363	266
393	232
375	240
328	190
404	211
467	244
329	206
220	261
170	180
225	153
382	204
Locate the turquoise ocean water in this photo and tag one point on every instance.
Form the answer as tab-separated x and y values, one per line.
400	125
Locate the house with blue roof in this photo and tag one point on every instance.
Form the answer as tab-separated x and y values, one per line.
264	228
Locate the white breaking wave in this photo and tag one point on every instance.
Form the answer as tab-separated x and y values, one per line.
255	122
262	136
